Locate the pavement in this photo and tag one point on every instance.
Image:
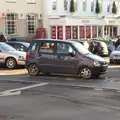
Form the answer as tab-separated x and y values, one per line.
56	97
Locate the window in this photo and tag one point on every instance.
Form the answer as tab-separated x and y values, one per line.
31	24
54	4
11	24
84	5
20	47
92	6
34	47
31	1
65	5
11	1
64	48
76	6
47	47
108	8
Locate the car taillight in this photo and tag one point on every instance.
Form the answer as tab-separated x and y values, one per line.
27	56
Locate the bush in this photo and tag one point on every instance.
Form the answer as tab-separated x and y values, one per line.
72	6
97	9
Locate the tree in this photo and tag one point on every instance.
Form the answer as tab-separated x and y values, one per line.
114	8
97	9
72	6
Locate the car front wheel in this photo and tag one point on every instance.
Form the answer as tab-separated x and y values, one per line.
11	63
85	73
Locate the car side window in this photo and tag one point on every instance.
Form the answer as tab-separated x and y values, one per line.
64	48
47	47
34	47
19	47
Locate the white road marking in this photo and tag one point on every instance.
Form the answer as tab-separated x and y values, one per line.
17	91
98	89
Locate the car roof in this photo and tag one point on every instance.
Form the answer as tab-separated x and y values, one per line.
55	40
17	42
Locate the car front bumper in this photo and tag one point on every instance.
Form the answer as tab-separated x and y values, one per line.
21	62
100	69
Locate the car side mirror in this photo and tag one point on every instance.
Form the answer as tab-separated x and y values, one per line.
72	54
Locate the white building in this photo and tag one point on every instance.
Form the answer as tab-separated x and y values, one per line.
84	23
20	17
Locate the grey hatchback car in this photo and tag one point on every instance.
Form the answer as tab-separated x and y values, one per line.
64	57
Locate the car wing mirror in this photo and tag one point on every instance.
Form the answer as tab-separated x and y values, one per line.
72	54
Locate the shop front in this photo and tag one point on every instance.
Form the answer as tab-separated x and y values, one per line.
71	28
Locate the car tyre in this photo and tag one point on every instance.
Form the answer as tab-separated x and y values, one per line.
85	73
33	70
11	63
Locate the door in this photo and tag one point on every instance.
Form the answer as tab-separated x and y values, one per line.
64	62
46	56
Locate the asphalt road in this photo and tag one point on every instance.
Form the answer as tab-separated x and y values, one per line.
56	97
53	102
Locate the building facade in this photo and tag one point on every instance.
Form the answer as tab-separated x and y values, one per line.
20	17
84	22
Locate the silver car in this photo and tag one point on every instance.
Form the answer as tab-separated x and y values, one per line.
10	56
115	55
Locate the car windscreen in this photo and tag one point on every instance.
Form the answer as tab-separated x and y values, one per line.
81	48
6	47
26	44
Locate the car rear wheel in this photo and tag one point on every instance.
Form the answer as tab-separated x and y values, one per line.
85	73
33	70
11	63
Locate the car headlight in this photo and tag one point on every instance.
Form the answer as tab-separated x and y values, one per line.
96	63
21	57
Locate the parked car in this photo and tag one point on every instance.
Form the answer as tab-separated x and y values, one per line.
100	48
10	56
20	46
111	45
115	55
65	57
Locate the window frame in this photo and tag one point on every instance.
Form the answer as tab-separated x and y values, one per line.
13	23
47	52
28	23
54	5
67	44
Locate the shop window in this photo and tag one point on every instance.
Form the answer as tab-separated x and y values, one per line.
68	32
88	32
11	24
99	31
60	32
82	32
75	32
31	23
53	29
94	31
